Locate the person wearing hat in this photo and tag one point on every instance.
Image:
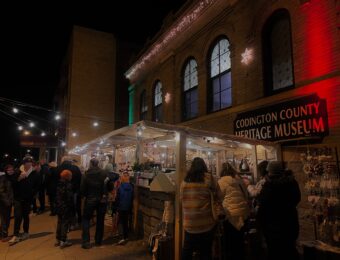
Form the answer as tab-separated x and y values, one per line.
65	208
26	183
93	190
277	213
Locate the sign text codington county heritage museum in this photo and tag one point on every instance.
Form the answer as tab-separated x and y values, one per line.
301	117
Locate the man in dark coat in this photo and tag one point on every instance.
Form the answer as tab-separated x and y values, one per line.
93	190
26	183
277	212
6	200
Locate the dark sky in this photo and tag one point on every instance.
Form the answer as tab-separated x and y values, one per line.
34	40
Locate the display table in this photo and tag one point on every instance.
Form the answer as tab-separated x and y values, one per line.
317	250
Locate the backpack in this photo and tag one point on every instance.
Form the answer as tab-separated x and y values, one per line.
125	195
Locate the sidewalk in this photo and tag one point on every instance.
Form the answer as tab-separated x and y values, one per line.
40	245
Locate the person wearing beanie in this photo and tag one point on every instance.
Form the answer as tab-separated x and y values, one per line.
93	190
65	208
25	185
277	213
124	202
6	201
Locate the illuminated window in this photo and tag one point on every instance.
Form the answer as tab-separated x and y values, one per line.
190	89
157	102
143	106
277	51
219	91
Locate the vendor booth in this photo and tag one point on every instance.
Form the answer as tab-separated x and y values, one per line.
158	156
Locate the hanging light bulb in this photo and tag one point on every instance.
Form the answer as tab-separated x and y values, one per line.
95	124
43	134
31	124
15	110
26	133
63	144
57	117
28	150
20	128
74	134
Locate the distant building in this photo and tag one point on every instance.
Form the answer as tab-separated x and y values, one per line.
92	95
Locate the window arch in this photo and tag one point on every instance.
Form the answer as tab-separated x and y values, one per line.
219	92
157	102
143	105
277	51
190	90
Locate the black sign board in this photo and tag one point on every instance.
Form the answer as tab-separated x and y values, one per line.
301	117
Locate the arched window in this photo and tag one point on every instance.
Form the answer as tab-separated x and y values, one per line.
157	102
190	92
219	92
277	51
143	106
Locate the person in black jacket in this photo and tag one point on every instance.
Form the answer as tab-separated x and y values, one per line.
52	180
6	201
64	207
92	188
25	185
277	212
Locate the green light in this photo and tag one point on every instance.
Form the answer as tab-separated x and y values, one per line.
131	103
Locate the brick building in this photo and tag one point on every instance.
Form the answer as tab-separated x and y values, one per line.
92	86
261	69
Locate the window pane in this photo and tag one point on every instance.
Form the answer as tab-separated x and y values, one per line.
215	53
226	81
187	70
226	98
194	109
193	79
186	83
216	102
224	46
216	85
215	67
158	94
281	55
194	95
225	62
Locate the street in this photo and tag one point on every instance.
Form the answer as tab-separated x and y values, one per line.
40	245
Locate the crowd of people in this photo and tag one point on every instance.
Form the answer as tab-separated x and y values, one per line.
74	197
272	202
208	205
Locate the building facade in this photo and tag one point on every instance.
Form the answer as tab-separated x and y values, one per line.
261	69
92	96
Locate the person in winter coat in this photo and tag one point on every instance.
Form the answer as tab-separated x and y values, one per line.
65	208
92	189
277	212
234	197
6	201
112	184
124	202
25	185
52	180
198	220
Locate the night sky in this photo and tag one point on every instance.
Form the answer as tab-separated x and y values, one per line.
35	39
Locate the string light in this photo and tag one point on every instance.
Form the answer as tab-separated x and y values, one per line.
26	133
74	134
43	134
95	124
28	150
63	144
20	128
6	155
183	23
57	117
15	110
31	124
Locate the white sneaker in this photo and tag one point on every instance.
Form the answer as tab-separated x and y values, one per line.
14	240
121	242
64	244
24	236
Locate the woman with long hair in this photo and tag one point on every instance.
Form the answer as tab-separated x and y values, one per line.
233	195
198	221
